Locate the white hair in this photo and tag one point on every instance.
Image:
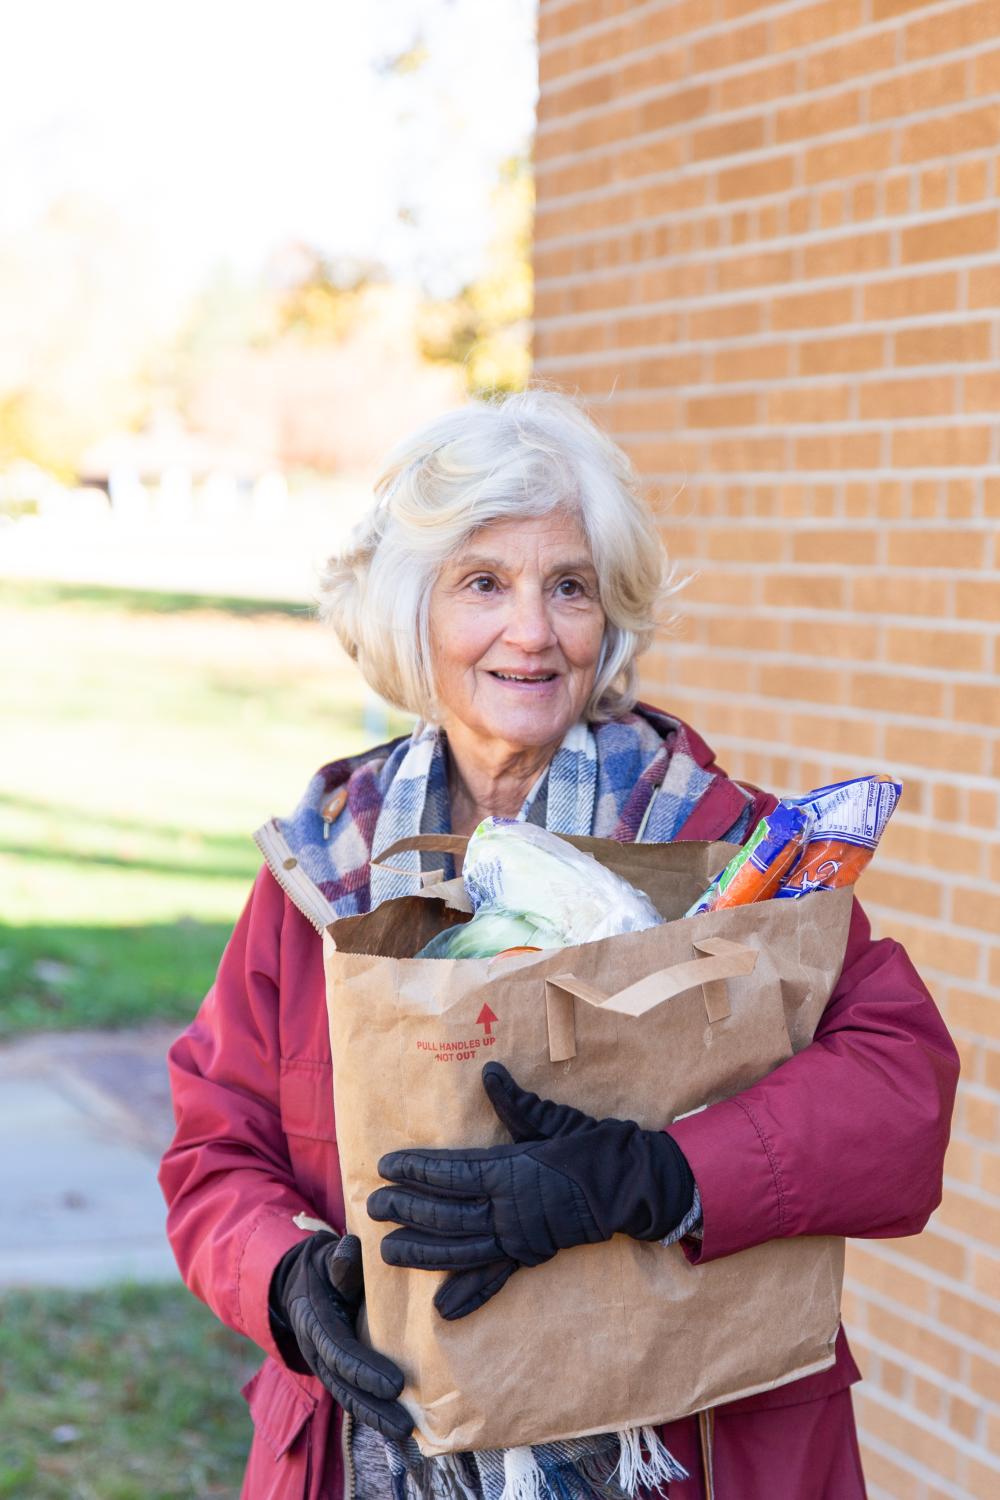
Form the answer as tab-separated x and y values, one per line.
520	455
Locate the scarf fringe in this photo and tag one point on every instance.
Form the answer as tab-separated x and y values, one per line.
639	1470
523	1476
644	1463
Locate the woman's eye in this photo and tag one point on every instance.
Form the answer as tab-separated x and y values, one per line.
483	585
570	588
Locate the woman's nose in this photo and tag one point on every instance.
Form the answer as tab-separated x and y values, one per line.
528	624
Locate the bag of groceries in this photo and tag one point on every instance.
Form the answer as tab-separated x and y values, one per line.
648	1024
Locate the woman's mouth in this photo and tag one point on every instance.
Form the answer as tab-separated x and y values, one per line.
525	680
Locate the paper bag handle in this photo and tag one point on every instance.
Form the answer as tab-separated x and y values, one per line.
437	843
725	960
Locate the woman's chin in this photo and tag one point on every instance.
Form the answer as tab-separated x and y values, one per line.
528	724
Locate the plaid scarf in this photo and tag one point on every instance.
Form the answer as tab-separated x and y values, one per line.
635	776
642	769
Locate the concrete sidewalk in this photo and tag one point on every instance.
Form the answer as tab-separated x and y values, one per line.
84	1118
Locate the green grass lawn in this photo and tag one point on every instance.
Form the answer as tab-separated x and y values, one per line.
145	737
127	1394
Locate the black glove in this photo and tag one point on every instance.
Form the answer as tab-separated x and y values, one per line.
316	1291
567	1180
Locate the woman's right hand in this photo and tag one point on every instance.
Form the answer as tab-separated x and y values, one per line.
316	1292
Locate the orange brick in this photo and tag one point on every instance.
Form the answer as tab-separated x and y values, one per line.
741	453
808	404
851	59
857	547
831	206
855	157
725	321
974	1319
806	25
939	749
739	409
820	116
753	362
972	181
927	396
951	548
674	107
976	907
886	594
935	1251
748	270
834	735
880	1470
975	704
943	239
729	139
979	1117
917	90
800	591
846	355
850	254
756	179
898	193
960	498
834	640
935	189
941	650
982	391
864	200
986	72
923	447
885	1275
929	846
982	1479
754	86
657	370
918	1343
977	601
963	1417
811	684
736	45
981	809
950	135
897	695
945	344
958	26
907	893
744	544
844	450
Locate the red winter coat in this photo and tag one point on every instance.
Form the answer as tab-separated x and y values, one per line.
846	1138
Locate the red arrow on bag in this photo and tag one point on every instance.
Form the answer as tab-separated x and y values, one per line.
486	1018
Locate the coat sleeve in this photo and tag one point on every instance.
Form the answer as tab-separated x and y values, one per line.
226	1176
846	1138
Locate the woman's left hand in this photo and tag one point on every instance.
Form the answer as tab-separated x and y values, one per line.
567	1180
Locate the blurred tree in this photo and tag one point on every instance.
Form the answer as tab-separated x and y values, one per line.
485	328
79	325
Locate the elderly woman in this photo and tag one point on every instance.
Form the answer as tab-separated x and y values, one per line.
500	589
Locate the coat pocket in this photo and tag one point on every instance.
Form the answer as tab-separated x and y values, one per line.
279	1407
306	1098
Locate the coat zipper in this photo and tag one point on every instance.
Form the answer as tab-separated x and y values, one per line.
347	1457
303	892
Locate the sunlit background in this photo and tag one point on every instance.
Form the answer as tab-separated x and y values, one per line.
244	248
243	251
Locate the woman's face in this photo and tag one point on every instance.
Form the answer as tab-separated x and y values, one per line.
518	601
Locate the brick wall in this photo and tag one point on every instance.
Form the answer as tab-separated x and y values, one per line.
768	251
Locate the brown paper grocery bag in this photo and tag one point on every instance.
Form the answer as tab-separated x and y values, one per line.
646	1026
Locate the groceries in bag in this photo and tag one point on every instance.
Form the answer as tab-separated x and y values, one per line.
819	842
529	888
